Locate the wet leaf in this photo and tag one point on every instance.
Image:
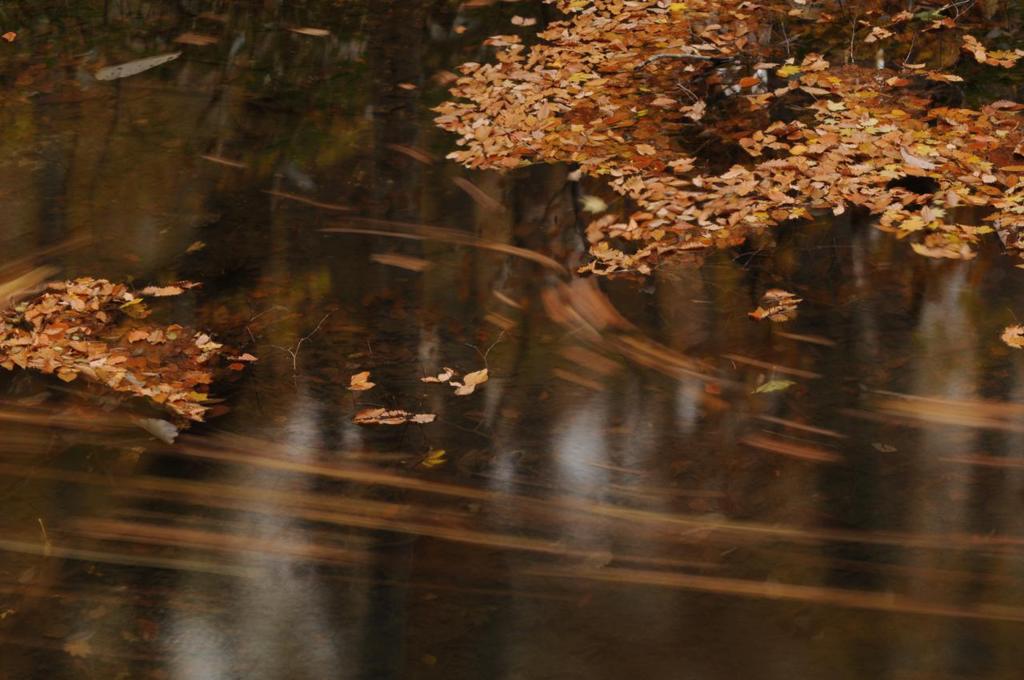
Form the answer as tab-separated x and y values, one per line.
196	39
1014	336
593	204
444	376
244	357
161	429
774	386
470	382
314	32
360	382
776	305
162	291
136	67
434	458
382	416
916	161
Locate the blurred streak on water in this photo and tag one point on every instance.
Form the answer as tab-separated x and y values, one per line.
615	501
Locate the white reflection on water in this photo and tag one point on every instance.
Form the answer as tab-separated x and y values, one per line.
279	618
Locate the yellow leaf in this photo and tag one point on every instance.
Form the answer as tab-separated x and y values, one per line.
434	458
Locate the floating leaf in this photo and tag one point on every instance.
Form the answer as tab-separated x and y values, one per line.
593	204
470	382
776	305
1014	336
444	376
774	386
360	382
434	458
382	416
161	429
136	67
197	39
314	32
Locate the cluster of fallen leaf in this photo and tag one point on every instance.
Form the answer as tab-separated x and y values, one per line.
613	90
360	382
94	329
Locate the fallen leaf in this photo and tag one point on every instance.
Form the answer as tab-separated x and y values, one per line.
916	161
197	39
413	264
434	458
315	32
136	67
161	429
360	382
444	376
593	204
382	416
244	357
162	291
776	305
9	36
1014	336
470	382
774	386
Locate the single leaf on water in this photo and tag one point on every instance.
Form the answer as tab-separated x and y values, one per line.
136	67
470	382
776	305
161	429
197	39
434	458
476	377
593	204
1014	336
315	32
162	291
774	386
382	416
444	376
360	382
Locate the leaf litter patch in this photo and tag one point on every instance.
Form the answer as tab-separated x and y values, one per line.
94	329
616	87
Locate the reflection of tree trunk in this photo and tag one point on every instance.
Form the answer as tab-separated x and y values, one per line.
396	32
395	52
56	149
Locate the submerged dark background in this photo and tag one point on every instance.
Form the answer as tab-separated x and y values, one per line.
600	512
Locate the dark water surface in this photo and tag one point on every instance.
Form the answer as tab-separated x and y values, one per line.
616	501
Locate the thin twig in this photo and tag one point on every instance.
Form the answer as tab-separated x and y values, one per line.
294	351
483	355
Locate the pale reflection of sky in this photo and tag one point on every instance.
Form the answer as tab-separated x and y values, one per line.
280	615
